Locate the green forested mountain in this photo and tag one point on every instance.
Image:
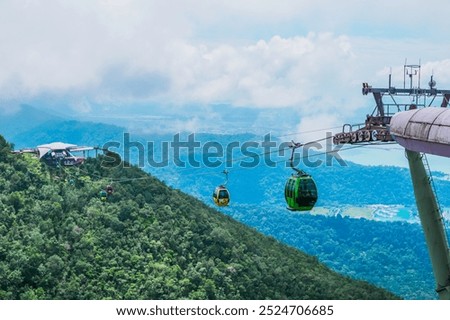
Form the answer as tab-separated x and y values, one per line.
58	240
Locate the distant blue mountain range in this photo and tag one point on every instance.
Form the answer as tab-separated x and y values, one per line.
390	254
27	118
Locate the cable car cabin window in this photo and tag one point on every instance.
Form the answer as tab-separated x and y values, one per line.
223	194
307	187
293	187
307	194
290	187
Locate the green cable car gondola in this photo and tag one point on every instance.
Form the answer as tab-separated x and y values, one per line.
300	190
221	195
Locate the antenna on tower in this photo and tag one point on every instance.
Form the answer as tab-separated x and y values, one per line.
411	70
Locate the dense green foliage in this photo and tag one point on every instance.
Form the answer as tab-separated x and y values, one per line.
148	241
392	255
389	254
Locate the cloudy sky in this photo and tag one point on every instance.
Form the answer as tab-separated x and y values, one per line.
280	65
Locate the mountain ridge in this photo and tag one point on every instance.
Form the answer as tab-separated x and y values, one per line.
58	240
258	193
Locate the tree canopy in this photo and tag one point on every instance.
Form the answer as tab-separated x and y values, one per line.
59	240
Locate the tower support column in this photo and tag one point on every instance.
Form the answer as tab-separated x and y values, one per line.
432	224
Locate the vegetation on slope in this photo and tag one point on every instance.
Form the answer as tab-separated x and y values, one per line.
392	255
148	241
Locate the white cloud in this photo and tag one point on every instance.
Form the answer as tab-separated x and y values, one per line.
82	106
65	45
258	53
280	72
316	127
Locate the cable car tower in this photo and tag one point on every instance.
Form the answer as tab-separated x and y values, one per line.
389	101
420	129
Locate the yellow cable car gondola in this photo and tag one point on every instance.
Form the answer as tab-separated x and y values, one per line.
103	195
221	195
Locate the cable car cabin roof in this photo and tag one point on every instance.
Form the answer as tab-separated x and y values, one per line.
221	190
